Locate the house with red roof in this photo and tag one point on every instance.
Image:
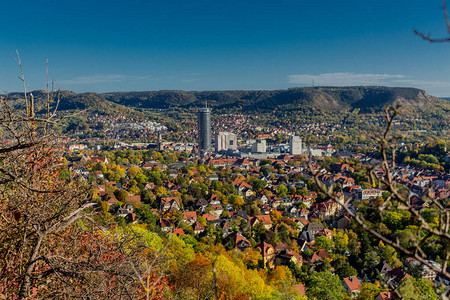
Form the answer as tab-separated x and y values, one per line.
169	204
190	216
198	228
352	285
264	219
217	209
209	217
96	160
319	256
268	253
237	240
178	231
386	296
135	200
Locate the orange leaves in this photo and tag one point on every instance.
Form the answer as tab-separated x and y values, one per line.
275	216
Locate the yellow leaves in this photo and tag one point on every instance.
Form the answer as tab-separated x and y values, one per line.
281	275
275	216
251	257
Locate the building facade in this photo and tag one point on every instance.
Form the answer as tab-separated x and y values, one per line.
260	146
226	141
204	130
295	145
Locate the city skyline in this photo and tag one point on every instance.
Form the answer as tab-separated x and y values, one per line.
199	45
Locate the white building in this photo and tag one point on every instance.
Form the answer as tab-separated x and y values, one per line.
260	146
226	141
295	145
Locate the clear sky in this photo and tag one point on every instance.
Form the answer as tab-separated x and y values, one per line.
132	45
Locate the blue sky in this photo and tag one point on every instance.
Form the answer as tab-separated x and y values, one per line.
104	46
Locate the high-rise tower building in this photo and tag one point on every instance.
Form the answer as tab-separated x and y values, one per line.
204	129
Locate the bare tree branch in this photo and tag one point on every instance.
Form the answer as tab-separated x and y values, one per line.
427	37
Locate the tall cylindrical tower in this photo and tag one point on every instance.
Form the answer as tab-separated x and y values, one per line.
204	129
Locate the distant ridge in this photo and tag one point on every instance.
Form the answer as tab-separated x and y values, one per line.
324	98
364	98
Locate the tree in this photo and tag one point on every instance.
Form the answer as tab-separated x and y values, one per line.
368	291
280	276
324	285
322	242
145	214
340	241
427	37
251	257
134	171
121	195
419	289
51	245
275	216
282	190
342	267
236	200
258	184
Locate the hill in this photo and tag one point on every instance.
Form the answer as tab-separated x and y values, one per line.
326	98
367	99
72	101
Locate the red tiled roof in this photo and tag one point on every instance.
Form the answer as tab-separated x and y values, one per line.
265	219
209	217
189	215
178	231
353	283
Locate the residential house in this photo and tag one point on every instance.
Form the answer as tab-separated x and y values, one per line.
170	204
396	276
124	210
96	160
190	217
209	217
178	231
198	228
343	222
352	285
216	210
313	228
365	194
201	204
386	296
425	271
268	253
286	257
242	214
214	199
384	268
319	257
264	219
135	200
237	240
165	224
303	213
301	223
